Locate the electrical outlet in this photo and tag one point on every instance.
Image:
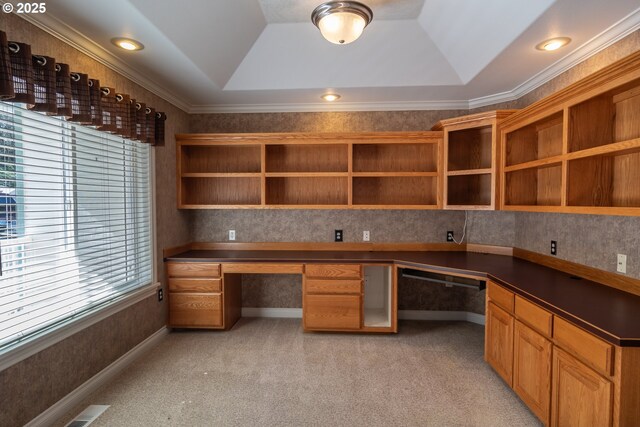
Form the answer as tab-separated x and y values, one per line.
160	294
449	236
232	234
622	263
554	247
338	235
366	236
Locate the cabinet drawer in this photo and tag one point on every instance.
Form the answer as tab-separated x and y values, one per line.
592	350
332	312
195	285
189	310
536	317
500	296
334	271
193	269
332	286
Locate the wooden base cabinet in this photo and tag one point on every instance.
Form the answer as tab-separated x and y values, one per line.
532	370
200	298
499	341
581	397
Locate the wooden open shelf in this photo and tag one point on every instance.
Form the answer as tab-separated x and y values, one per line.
231	191
535	186
469	190
307	158
307	191
395	157
535	141
608	180
395	191
470	149
306	170
578	150
470	159
220	158
613	116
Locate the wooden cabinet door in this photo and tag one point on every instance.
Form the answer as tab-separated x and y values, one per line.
581	397
498	346
532	370
329	312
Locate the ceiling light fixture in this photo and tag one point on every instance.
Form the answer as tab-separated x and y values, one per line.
330	97
127	44
341	22
553	44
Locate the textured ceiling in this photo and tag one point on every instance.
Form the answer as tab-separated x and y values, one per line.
265	55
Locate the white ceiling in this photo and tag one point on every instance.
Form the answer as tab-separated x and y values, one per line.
265	55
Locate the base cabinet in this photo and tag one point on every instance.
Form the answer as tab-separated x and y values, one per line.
499	341
581	397
532	370
328	312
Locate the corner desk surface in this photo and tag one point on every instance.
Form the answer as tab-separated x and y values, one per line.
612	314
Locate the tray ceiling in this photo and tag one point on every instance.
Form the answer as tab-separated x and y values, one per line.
265	55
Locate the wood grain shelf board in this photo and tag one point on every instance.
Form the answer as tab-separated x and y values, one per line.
222	175
535	164
622	147
391	174
305	174
470	172
431	137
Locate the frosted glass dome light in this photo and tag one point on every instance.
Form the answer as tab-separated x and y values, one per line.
341	22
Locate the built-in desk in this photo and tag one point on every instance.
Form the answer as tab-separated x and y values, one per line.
568	346
611	314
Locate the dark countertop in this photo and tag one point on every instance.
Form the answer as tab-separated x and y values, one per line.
607	312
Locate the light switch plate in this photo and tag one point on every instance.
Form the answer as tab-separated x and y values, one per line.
622	263
232	234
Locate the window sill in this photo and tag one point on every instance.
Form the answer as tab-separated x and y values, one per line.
39	343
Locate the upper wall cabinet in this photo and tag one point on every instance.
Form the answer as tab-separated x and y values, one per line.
391	170
577	150
470	160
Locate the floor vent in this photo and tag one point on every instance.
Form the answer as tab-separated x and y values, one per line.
87	416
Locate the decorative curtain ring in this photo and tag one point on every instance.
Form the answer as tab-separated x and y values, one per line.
58	68
119	97
42	61
105	91
138	106
14	47
76	77
147	110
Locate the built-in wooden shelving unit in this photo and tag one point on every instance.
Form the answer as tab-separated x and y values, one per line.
390	170
577	150
470	160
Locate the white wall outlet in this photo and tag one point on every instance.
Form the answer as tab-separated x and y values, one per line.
622	263
232	234
366	236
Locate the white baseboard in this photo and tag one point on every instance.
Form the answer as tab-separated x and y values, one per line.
64	405
441	315
288	313
296	313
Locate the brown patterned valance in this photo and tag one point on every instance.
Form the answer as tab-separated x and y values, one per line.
53	89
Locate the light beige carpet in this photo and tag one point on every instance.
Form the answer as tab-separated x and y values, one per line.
267	372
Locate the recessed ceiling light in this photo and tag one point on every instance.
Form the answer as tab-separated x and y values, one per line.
553	44
330	97
127	44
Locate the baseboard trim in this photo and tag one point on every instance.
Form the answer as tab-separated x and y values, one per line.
288	313
64	405
441	316
296	313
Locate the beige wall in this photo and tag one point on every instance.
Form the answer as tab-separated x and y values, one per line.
32	385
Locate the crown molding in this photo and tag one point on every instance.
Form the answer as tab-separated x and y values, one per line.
64	32
85	45
330	107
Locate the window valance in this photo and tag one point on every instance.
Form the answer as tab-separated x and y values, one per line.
51	88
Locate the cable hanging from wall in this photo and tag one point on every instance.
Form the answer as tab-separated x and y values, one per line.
51	88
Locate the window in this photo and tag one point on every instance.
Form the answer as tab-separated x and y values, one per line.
75	221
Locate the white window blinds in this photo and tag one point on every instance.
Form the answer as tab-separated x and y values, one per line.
75	221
